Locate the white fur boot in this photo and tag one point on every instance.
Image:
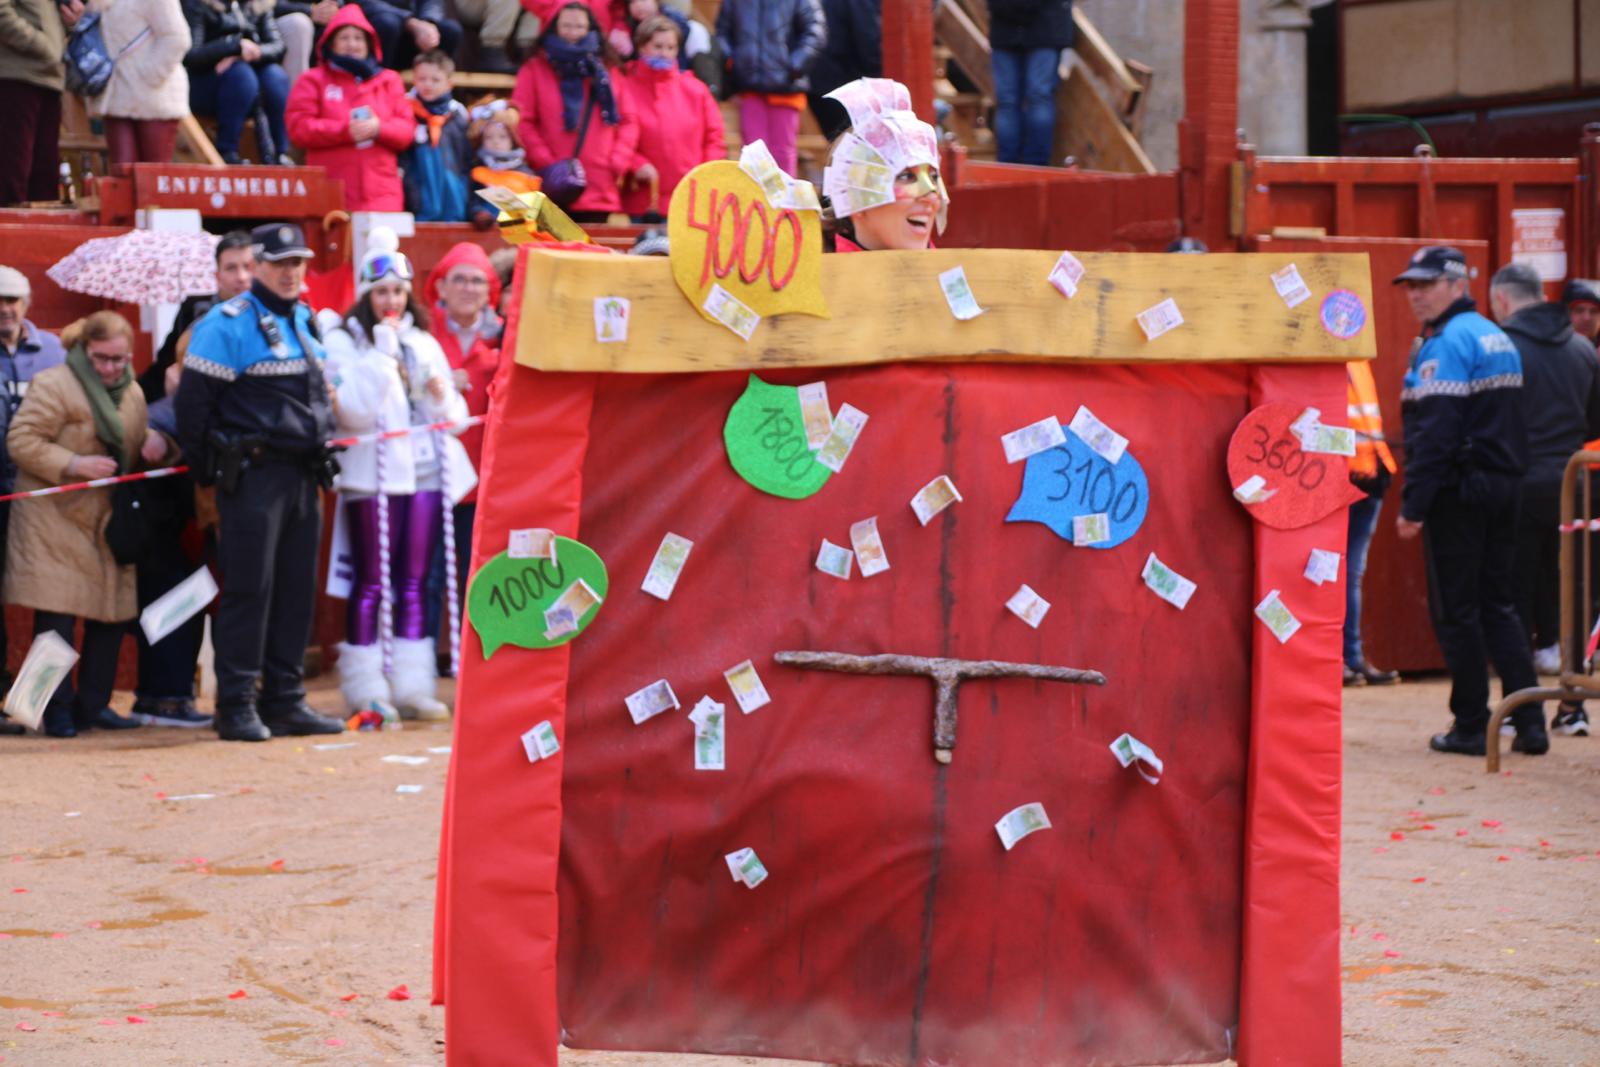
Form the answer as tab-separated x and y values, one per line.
415	678
362	682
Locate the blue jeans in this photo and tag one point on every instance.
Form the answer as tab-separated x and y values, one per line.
232	97
433	590
1363	522
1025	104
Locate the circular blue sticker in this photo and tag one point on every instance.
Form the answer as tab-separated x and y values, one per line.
1343	314
1082	496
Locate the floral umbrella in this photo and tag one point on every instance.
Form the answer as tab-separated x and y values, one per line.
141	267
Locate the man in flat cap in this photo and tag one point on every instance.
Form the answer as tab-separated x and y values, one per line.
253	416
1466	448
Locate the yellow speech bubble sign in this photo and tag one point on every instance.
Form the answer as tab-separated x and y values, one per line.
722	231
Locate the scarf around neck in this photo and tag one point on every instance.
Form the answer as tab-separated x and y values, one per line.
575	64
359	69
104	401
433	114
516	159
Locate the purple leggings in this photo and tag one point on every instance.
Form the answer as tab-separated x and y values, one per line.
415	523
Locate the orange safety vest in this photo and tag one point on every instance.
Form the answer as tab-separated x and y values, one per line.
1367	421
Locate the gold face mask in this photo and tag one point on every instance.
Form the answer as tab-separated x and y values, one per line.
926	181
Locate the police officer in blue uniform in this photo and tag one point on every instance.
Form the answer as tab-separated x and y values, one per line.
1466	447
253	415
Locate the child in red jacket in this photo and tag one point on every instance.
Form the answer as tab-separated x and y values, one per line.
351	115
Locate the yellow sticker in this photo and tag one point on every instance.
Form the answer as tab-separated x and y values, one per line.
722	231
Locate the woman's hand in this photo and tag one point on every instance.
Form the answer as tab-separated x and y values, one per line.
87	468
71	12
249	51
363	129
426	34
154	447
462	380
437	389
646	174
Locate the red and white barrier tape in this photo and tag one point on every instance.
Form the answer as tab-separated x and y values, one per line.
167	472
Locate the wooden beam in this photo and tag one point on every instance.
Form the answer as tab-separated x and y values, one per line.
969	45
1092	133
193	138
1102	59
888	306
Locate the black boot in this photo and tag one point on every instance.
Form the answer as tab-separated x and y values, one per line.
240	722
1459	743
58	721
298	720
1532	739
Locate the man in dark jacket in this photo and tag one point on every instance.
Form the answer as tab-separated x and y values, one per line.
408	28
1025	42
1561	407
854	50
1466	449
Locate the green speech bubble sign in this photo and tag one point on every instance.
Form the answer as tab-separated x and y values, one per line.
766	440
508	597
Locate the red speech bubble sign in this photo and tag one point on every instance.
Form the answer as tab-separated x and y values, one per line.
1303	486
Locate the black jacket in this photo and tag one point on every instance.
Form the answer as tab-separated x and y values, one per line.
771	44
855	44
1560	389
217	30
153	382
1024	25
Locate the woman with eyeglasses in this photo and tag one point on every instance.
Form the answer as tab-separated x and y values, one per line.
81	420
395	495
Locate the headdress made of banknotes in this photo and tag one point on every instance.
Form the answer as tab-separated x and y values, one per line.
885	138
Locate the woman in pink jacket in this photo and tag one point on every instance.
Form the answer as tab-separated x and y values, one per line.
352	116
564	81
680	125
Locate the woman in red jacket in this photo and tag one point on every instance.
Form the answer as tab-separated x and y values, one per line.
680	125
352	116
565	80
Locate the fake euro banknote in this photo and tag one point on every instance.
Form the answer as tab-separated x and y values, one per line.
537	543
178	605
756	160
671	554
576	601
1032	439
540	742
710	721
1091	529
847	427
851	200
1167	583
868	547
1066	274
1253	490
1290	286
1028	606
801	196
47	663
1106	442
1163	318
1322	566
1132	752
1020	822
1279	619
746	867
815	414
835	560
651	701
853	149
747	687
873	177
1337	440
958	294
934	498
731	311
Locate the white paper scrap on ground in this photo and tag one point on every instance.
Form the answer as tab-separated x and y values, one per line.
611	318
535	543
847	426
540	742
327	747
1028	606
934	498
1091	529
1291	286
1066	274
178	605
815	414
1279	619
409	761
1020	822
710	737
671	555
1163	318
868	547
1032	439
408	789
958	294
746	867
1106	442
193	796
1167	583
835	560
747	688
1253	490
438	749
651	701
1322	566
1132	752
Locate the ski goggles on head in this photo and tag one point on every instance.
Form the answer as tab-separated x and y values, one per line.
376	268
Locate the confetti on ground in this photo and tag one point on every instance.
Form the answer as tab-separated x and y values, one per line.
1397	836
399	992
136	1019
1414	881
1391	954
107	1022
1436	791
1492	823
238	994
1461	833
19	890
1381	849
333	1042
1380	936
276	865
349	997
1503	859
1429	826
27	1028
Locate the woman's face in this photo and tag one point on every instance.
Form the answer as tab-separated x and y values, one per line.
496	138
663	44
572	24
643	9
350	41
906	224
110	358
388	299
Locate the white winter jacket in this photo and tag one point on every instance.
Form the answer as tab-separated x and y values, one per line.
148	81
366	378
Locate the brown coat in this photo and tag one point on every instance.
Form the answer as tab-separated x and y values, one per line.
56	554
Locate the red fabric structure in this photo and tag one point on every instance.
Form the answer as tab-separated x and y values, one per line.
586	896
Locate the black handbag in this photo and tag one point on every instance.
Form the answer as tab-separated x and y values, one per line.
564	180
88	63
128	530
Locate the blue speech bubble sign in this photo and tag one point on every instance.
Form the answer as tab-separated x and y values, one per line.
1073	479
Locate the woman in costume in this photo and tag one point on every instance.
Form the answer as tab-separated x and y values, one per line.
395	495
882	185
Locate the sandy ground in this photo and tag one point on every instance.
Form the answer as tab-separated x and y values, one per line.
269	921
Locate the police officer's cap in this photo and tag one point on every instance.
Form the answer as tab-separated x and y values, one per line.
279	240
1581	291
1435	261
